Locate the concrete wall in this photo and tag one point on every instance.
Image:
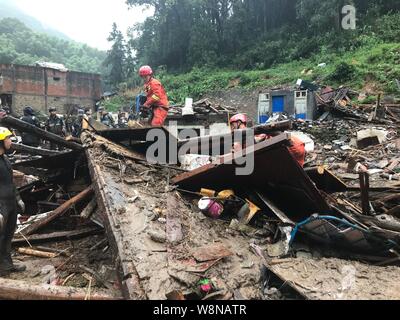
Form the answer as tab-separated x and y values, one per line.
42	88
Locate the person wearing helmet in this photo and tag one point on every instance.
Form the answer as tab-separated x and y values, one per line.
87	117
27	138
88	113
296	147
9	199
77	125
238	122
55	124
122	119
157	99
106	118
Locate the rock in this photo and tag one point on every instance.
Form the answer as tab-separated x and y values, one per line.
157	236
304	254
47	269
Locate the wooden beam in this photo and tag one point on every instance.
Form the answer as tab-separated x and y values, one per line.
221	139
58	236
36	253
21	290
33	151
58	212
20	125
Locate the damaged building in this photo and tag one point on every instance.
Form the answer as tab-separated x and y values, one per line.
47	85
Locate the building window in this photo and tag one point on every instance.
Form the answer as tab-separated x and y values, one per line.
301	94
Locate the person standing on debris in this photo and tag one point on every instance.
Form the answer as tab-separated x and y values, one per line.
122	120
296	148
88	113
28	138
157	99
77	125
9	199
106	118
86	119
55	124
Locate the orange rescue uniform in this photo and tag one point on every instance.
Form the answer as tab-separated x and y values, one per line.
158	100
296	148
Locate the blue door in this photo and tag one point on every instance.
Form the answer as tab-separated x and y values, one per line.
278	104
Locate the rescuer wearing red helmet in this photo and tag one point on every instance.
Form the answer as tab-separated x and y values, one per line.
296	148
238	122
157	98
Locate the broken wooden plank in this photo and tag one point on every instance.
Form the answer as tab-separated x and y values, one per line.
20	290
280	214
20	125
128	275
62	161
89	209
174	227
325	180
273	168
37	253
210	141
58	212
33	151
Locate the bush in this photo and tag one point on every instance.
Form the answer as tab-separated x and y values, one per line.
343	72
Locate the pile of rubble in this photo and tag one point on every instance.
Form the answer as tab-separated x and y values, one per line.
329	230
203	107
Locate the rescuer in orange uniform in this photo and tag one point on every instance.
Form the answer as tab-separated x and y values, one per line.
157	98
297	147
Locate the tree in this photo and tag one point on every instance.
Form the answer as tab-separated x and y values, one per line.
183	34
116	56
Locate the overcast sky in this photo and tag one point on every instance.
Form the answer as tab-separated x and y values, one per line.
87	21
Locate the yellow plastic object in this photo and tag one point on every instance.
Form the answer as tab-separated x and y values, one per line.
253	210
225	194
207	193
4	133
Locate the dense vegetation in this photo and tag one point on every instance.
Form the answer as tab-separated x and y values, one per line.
255	34
21	45
198	46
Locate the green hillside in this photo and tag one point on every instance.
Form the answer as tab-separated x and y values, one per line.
20	45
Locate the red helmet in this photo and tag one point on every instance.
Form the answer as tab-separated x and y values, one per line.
238	117
145	71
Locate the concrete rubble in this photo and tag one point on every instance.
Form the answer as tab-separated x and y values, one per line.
104	222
